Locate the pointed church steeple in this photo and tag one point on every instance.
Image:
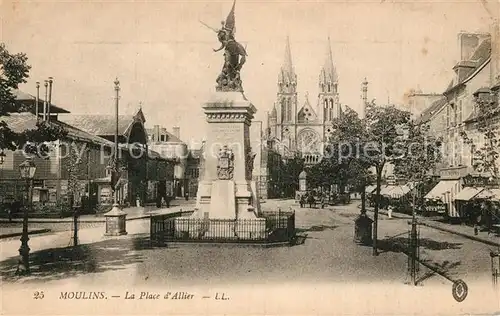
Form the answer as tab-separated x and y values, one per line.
287	81
286	100
328	72
328	89
287	64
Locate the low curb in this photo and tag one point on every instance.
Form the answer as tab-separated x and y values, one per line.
484	241
31	232
437	227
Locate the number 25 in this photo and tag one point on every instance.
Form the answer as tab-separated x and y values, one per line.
38	295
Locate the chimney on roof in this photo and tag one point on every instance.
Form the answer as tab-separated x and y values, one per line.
468	42
176	130
495	52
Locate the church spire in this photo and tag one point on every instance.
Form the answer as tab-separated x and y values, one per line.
287	80
287	64
328	72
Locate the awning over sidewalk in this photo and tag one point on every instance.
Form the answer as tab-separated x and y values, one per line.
468	193
397	191
489	194
370	189
441	188
386	190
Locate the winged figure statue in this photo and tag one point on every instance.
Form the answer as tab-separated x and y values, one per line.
234	55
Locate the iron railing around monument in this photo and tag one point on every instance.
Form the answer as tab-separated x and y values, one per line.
271	227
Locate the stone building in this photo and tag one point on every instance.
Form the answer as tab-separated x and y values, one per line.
169	145
454	113
146	175
90	153
304	127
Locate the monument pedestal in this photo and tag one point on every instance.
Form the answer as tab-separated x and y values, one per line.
226	190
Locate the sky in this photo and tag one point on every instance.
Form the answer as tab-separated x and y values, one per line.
163	55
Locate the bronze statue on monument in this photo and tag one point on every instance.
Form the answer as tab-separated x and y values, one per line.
234	55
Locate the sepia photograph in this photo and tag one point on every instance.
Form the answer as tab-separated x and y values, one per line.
249	157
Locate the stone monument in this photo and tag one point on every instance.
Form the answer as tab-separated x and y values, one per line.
226	190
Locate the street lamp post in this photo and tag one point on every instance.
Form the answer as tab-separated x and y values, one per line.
27	170
115	218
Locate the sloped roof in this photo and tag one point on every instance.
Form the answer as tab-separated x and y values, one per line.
101	125
26	97
171	138
431	110
478	58
306	112
20	122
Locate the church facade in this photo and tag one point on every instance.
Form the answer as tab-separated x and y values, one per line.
304	127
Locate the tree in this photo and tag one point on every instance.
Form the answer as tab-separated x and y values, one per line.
14	70
421	152
290	174
345	150
323	174
382	146
485	152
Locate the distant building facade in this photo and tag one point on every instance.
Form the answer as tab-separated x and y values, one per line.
304	128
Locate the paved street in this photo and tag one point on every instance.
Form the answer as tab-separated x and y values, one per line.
327	256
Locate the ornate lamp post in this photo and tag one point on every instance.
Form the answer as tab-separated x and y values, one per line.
27	170
116	218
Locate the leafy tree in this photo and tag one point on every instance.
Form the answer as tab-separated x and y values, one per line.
346	151
485	152
323	174
14	70
422	151
382	145
290	175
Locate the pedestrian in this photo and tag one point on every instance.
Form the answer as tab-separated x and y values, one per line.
302	200
186	195
389	211
158	201
477	223
167	201
9	210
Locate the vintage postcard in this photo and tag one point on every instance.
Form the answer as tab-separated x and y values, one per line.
244	157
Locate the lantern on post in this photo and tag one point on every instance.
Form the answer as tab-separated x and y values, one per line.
27	171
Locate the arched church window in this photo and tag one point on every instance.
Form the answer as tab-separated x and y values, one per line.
332	110
283	110
289	113
329	87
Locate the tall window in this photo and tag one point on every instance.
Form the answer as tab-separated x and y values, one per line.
289	112
331	110
460	109
455	114
448	121
283	110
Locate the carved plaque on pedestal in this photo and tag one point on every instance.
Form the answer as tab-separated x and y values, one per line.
225	165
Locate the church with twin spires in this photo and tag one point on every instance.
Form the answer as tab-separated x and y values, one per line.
303	129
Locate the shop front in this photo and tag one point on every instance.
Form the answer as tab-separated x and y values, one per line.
441	198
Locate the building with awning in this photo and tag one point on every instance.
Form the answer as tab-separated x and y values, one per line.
370	189
442	189
468	193
397	191
386	190
489	194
